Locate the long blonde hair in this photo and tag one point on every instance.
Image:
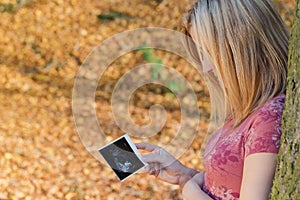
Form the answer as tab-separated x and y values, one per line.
247	43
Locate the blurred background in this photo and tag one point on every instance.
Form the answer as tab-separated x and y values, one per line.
42	45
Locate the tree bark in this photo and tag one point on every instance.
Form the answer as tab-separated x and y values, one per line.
287	178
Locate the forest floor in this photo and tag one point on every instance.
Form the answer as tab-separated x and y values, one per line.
42	45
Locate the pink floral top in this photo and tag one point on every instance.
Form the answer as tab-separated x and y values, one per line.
226	150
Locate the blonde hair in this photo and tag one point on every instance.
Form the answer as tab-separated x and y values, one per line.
247	43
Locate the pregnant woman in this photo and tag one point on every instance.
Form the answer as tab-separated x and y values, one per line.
241	47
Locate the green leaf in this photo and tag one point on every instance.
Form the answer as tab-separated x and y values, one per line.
112	15
142	47
170	95
174	86
8	7
148	55
158	61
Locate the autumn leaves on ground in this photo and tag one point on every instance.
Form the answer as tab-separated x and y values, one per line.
42	45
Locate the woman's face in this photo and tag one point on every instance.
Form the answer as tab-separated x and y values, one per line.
207	64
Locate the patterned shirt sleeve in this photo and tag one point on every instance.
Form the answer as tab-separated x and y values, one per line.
265	131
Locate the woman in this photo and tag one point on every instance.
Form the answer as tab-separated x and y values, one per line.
242	47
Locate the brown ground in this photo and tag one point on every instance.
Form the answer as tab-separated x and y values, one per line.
42	46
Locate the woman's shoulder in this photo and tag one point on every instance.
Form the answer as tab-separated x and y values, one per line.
265	117
264	130
269	114
276	101
273	107
270	109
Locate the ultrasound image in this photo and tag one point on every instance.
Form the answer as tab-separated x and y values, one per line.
121	158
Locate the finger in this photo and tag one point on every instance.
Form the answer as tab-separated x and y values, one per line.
159	156
154	157
146	146
157	168
199	178
151	169
148	168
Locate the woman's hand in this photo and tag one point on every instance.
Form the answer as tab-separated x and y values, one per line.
198	179
192	189
164	166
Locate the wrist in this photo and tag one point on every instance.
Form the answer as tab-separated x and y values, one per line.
187	175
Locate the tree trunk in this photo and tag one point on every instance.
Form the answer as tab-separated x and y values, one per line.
287	179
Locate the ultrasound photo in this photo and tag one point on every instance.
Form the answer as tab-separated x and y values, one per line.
123	157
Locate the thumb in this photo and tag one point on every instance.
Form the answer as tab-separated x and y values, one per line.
155	156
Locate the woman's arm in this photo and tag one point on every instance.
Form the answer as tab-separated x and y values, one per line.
192	189
258	174
164	166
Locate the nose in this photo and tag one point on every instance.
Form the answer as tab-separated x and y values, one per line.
207	65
